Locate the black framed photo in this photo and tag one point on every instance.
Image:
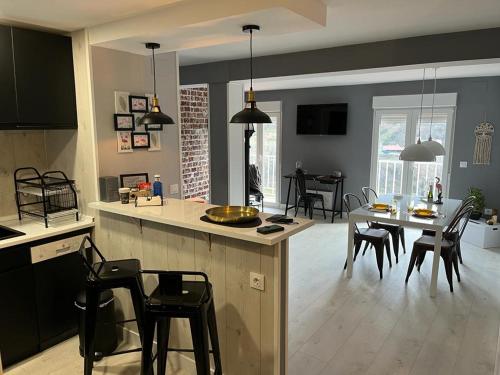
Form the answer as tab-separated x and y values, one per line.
138	103
140	140
124	122
154	127
133	180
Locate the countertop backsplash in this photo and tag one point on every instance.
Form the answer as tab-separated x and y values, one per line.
18	149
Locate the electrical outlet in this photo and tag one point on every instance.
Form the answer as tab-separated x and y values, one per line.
463	164
174	189
257	281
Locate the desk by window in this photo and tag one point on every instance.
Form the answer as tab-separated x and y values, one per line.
334	182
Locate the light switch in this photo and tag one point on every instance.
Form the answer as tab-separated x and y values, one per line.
463	164
174	189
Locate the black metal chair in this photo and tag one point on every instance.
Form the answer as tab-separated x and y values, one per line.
427	232
308	199
448	246
397	231
176	298
376	237
102	276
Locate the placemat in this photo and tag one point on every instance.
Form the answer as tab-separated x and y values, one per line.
249	224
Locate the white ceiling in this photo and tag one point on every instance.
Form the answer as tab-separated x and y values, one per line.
370	76
360	21
70	15
288	25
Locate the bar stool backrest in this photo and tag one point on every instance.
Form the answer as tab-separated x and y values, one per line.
366	191
352	202
85	256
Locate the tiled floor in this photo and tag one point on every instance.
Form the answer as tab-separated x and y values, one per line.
363	325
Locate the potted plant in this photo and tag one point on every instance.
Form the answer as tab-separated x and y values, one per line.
478	203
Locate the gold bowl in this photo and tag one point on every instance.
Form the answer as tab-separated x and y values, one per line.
232	214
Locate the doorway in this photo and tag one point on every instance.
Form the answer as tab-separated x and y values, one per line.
393	129
265	152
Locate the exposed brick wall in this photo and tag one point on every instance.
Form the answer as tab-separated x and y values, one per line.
194	142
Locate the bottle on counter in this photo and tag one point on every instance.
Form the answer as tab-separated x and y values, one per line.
157	186
430	196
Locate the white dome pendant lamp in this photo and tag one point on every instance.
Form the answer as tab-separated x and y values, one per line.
436	148
417	151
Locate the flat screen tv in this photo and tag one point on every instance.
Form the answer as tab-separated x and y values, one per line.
322	119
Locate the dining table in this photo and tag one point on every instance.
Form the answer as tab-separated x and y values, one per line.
403	215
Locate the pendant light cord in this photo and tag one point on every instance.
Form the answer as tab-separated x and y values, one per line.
432	110
154	74
421	106
251	59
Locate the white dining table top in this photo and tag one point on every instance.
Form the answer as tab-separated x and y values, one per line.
402	217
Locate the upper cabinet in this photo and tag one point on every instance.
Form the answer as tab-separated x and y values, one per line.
44	80
8	105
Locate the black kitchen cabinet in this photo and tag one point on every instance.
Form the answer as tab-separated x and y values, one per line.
58	282
8	106
18	325
44	80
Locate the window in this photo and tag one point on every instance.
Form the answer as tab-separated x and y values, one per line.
393	130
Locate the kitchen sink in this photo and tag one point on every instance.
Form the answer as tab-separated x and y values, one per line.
6	233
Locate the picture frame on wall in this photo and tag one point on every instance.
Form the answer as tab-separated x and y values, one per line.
121	102
139	128
132	180
155	141
140	140
138	104
124	122
124	141
150	127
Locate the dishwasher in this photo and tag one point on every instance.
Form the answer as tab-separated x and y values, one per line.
59	276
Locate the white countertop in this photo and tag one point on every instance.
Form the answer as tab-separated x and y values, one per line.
35	229
186	214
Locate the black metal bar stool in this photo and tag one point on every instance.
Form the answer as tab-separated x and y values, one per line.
105	275
176	298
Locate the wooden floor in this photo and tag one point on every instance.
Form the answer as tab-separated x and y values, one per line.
363	325
371	326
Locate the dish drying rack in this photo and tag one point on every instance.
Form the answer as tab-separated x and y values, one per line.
48	196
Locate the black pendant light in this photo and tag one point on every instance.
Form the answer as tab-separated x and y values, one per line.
251	114
155	116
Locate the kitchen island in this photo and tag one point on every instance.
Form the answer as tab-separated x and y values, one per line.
252	323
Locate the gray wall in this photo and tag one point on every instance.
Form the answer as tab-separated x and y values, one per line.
217	96
467	45
122	71
352	153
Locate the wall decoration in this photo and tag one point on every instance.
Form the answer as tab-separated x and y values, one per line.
154	127
124	141
139	128
155	141
138	103
482	150
140	140
133	180
121	102
124	121
150	99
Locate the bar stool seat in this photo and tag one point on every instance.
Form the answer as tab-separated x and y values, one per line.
176	298
115	271
105	275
